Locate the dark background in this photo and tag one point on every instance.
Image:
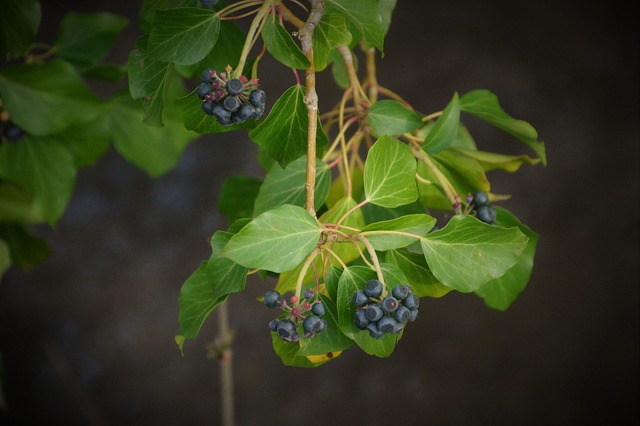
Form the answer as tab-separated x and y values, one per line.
87	337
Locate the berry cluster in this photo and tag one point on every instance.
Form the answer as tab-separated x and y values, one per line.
309	312
485	212
383	315
230	100
8	130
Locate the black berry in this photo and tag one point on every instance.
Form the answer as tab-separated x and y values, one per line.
373	312
204	89
480	198
208	107
360	318
402	314
389	304
231	103
318	309
487	214
411	302
373	330
271	299
387	324
235	86
373	288
207	76
312	324
286	330
400	292
360	299
257	97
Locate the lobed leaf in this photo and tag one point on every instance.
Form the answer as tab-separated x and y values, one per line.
364	15
281	46
330	33
384	235
389	117
445	131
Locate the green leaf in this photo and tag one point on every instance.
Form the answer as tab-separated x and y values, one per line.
287	186
44	168
208	286
25	250
30	91
183	35
352	280
466	253
329	341
19	23
237	197
364	15
276	241
155	150
339	69
423	283
281	46
189	109
85	38
284	132
501	292
445	131
484	105
330	33
5	258
490	160
106	72
289	353
386	11
388	117
150	7
373	213
389	173
17	205
86	141
384	235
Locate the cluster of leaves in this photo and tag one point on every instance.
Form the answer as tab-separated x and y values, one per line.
384	172
66	125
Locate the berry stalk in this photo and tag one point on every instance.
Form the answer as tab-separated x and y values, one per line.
253	29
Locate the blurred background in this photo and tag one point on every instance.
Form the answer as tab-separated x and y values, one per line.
88	336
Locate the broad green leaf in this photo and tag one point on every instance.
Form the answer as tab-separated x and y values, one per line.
388	117
389	234
338	188
86	141
183	35
237	197
466	253
484	104
153	149
501	292
146	74
189	109
389	173
444	132
276	241
19	21
284	132
289	353
25	249
463	138
345	250
352	280
490	160
44	168
339	69
364	15
208	286
53	92
329	341
330	33
386	11
150	7
5	258
281	46
85	38
373	213
17	205
415	268
287	186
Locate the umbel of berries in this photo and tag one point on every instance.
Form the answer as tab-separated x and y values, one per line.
381	315
305	314
229	99
485	212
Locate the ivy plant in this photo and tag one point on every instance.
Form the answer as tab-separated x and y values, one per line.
366	210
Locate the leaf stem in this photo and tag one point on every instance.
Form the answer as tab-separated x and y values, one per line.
446	185
303	271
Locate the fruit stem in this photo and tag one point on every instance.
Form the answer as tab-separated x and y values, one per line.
303	271
248	42
311	100
447	187
374	258
371	74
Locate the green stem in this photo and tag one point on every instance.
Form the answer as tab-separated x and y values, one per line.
303	271
248	43
374	258
446	185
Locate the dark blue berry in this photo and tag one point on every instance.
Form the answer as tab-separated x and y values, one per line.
400	292
312	324
387	324
414	315
204	89
207	75
222	115
389	304
235	86
412	302
257	97
271	298
258	112
360	318
273	325
360	299
318	309
487	214
13	133
373	312
245	112
231	103
397	328
308	293
403	314
208	107
373	330
480	198
286	330
373	288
